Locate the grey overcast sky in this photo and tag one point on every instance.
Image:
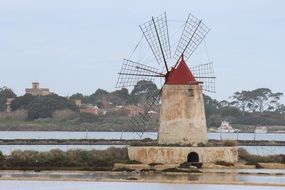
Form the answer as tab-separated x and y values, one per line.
77	46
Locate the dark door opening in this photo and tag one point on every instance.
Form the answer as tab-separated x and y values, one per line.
193	160
193	157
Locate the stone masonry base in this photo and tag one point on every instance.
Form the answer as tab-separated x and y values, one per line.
177	155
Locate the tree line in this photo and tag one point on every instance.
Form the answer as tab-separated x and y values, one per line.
254	107
44	106
260	106
141	91
258	100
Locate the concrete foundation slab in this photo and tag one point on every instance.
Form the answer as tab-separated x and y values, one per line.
177	155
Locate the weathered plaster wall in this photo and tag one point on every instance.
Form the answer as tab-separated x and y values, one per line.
182	115
174	155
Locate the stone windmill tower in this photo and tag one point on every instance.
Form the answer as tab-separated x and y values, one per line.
182	113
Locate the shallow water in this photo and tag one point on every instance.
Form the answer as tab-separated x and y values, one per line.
76	185
93	180
73	135
128	135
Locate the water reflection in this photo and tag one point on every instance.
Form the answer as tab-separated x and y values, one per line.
208	177
77	185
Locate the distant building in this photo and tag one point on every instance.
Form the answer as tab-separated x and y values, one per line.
90	109
130	110
78	102
37	91
227	128
8	103
260	129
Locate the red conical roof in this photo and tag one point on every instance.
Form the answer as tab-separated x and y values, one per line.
181	75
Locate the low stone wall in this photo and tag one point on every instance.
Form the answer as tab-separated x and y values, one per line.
176	155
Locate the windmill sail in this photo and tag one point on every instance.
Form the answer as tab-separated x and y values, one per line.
141	121
156	33
133	72
193	34
205	74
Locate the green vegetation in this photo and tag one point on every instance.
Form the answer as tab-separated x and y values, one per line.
255	159
5	93
185	165
200	144
22	102
257	107
71	159
49	124
219	143
245	110
142	90
42	106
229	143
224	163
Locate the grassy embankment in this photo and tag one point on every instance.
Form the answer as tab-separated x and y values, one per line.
65	125
251	159
97	160
82	122
119	123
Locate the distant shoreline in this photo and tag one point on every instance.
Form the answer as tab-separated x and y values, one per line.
117	125
120	131
141	142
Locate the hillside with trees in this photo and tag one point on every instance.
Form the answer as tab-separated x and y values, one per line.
256	107
243	109
5	93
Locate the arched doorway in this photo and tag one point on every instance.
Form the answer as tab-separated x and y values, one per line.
193	157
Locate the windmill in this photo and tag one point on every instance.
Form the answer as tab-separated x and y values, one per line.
155	31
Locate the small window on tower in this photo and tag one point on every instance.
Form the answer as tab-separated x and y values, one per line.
190	92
